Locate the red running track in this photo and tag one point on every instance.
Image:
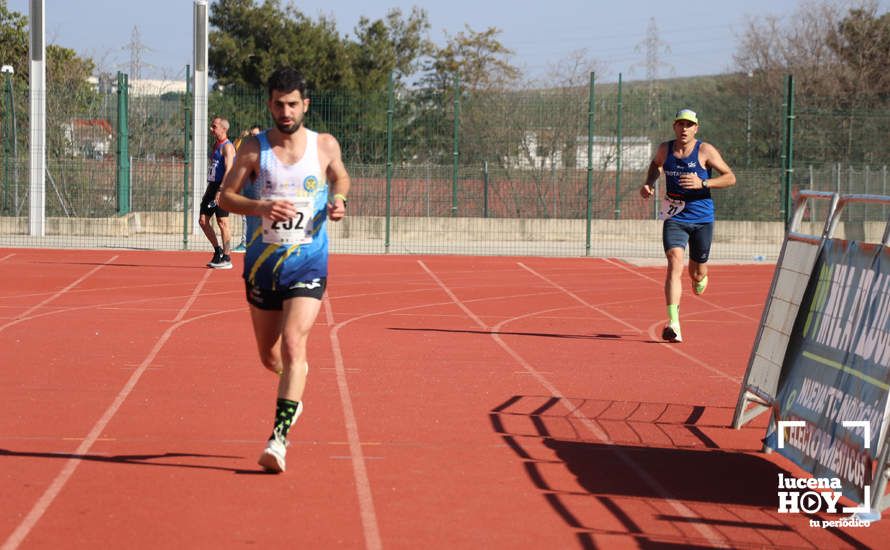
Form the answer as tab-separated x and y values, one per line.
453	402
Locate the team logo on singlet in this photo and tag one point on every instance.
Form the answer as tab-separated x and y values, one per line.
310	184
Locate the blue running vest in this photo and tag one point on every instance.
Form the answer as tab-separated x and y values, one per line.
699	206
217	164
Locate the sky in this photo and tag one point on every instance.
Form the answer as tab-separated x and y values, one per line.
694	37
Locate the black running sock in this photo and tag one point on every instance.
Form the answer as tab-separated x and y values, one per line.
285	411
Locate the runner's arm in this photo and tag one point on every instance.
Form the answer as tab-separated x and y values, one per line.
229	156
714	160
337	176
654	172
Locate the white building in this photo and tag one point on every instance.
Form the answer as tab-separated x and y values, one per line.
88	137
144	87
636	153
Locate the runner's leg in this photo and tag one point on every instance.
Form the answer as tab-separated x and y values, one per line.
298	318
267	330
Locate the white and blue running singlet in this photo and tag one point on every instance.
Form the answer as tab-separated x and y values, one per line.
283	254
690	205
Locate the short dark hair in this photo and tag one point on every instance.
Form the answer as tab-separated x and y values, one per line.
286	80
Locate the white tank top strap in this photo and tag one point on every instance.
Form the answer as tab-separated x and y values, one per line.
311	144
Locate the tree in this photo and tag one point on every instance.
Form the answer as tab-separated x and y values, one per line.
839	64
394	45
347	78
14	42
483	65
862	43
250	41
478	57
772	47
69	94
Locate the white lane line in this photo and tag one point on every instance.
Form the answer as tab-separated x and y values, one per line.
362	484
82	278
579	299
706	531
451	295
675	348
48	496
712	304
359	470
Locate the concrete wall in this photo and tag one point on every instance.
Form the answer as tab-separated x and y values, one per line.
442	233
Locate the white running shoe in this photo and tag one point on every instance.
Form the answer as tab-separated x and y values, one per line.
671	333
272	459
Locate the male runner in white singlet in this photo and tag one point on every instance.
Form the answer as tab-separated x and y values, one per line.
293	179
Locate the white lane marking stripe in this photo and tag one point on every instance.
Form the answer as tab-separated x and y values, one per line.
709	533
82	278
42	504
579	299
712	304
359	470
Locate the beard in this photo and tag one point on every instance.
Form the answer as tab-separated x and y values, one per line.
289	129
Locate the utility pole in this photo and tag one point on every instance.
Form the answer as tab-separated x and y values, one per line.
653	47
136	48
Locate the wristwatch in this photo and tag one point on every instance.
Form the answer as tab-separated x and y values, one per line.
704	184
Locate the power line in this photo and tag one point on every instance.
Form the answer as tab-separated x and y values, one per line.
136	48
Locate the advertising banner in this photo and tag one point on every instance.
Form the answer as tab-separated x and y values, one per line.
832	398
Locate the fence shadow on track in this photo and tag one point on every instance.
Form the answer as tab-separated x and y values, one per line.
194	265
134	459
622	481
597	336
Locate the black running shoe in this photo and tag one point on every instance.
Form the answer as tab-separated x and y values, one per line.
217	257
225	262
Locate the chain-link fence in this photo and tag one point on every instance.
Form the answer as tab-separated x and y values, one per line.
552	172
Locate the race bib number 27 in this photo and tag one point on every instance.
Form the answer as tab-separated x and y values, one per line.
297	230
670	208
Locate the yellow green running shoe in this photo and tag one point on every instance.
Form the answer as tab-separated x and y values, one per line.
698	287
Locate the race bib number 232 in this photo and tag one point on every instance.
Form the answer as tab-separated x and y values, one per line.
297	230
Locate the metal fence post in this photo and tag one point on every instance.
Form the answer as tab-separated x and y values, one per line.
591	109
186	153
812	213
884	190
618	156
123	146
485	189
8	134
456	141
789	150
865	206
9	139
389	112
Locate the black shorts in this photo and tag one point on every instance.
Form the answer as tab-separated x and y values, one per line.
273	300
208	202
699	235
